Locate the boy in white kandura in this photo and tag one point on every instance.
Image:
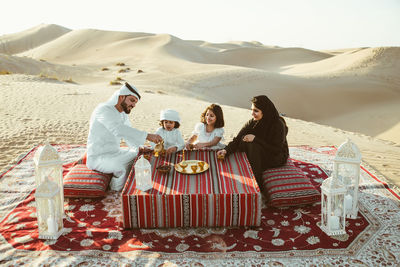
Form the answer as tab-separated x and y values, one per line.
172	136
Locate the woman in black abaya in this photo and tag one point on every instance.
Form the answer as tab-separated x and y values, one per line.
263	138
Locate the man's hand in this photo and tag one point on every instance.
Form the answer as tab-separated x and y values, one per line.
145	149
155	138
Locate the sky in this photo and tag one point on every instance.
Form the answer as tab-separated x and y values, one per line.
311	24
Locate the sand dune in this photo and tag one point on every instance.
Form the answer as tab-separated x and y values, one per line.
376	62
324	87
25	65
355	89
79	46
31	38
342	88
85	46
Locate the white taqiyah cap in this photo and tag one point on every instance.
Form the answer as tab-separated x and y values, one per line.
169	115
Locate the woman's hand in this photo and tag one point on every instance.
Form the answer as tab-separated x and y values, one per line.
249	138
221	153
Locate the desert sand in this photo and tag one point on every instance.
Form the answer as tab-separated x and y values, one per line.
53	77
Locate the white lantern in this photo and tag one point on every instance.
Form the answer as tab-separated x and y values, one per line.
48	165
347	168
49	215
333	212
143	174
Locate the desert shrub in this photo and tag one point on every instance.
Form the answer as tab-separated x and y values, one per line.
119	79
45	76
104	69
4	72
140	71
120	64
69	80
122	71
115	83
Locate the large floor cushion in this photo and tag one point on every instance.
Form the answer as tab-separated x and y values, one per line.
289	186
83	182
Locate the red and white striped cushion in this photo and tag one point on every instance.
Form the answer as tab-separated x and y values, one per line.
289	186
83	182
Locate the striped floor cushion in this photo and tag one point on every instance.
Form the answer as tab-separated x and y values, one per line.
289	186
83	182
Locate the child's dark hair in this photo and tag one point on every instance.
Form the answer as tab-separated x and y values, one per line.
175	126
217	110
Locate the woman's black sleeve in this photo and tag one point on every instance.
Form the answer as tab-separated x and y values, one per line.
234	144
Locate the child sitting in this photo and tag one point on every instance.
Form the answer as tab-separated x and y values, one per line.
170	122
208	133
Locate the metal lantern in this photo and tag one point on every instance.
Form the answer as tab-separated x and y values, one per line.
333	212
48	165
49	214
143	174
347	169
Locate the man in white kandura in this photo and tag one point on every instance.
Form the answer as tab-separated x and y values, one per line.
109	124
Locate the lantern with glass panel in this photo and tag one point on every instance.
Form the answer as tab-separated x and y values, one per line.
333	212
49	214
49	195
347	169
143	174
48	165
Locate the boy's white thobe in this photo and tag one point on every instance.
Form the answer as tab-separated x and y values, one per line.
171	138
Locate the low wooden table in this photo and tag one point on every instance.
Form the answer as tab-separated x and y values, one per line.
226	194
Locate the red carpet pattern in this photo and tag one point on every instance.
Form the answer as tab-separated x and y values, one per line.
94	234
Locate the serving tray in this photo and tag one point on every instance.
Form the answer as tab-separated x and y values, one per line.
190	169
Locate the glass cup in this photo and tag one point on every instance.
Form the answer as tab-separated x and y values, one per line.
194	168
183	165
201	165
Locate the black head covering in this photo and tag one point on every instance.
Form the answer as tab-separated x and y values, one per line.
269	111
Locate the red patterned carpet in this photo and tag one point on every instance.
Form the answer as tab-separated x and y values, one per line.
94	233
